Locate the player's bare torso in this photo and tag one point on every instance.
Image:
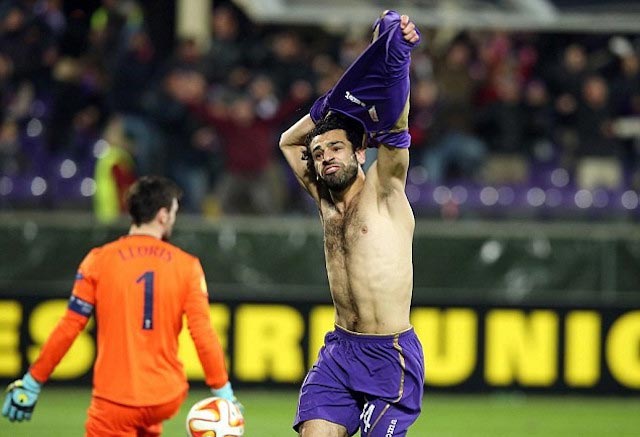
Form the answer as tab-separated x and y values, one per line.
369	263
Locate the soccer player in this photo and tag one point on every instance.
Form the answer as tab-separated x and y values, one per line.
139	287
369	375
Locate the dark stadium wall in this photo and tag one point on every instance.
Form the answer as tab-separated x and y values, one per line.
454	263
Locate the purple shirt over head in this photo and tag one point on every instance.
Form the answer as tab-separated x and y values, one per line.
375	88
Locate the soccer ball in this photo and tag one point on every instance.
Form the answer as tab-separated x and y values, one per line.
215	417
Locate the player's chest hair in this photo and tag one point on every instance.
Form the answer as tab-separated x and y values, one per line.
342	231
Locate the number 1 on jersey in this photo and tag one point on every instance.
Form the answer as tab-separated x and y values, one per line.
147	318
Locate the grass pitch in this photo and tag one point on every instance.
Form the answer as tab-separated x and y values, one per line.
61	412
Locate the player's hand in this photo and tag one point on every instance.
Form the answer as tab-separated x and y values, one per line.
226	392
21	398
409	30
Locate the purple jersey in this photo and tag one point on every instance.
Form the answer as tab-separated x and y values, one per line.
369	382
375	88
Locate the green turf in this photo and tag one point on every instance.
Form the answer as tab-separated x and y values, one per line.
61	412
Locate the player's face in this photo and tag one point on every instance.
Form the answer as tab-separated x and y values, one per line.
171	219
334	159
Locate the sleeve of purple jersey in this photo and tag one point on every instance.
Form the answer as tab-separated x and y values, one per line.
320	107
399	53
375	88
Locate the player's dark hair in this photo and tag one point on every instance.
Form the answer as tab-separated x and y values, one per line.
335	121
148	195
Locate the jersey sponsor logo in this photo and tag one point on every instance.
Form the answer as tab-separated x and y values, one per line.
80	306
391	428
371	111
354	99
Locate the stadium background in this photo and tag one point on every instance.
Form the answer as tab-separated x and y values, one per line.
523	179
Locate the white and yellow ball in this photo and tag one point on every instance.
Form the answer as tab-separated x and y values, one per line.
215	417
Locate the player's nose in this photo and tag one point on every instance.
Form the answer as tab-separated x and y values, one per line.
328	159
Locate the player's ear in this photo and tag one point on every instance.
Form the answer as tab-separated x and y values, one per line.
163	216
361	155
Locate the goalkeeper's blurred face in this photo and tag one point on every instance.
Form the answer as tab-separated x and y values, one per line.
168	219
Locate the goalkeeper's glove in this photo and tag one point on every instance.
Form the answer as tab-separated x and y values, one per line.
21	398
226	392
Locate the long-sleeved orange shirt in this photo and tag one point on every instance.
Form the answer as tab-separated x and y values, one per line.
140	288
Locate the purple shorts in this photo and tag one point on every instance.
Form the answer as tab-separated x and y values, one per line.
369	382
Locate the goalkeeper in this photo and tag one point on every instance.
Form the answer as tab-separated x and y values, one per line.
140	287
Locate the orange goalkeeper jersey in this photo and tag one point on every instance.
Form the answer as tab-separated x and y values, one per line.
139	288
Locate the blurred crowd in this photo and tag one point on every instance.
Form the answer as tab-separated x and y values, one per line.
89	103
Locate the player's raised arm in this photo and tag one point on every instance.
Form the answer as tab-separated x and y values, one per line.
393	154
294	148
391	167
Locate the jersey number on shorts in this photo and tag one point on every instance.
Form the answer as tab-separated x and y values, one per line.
365	416
147	318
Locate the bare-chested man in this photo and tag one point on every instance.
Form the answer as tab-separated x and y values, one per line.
370	373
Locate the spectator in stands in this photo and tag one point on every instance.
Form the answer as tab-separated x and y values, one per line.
108	67
593	117
12	162
188	55
599	151
187	157
625	98
251	182
114	173
565	83
227	49
626	85
453	146
287	62
135	68
28	45
502	126
502	121
51	13
538	127
84	132
326	72
6	71
110	25
453	143
264	95
424	96
78	96
453	74
566	79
